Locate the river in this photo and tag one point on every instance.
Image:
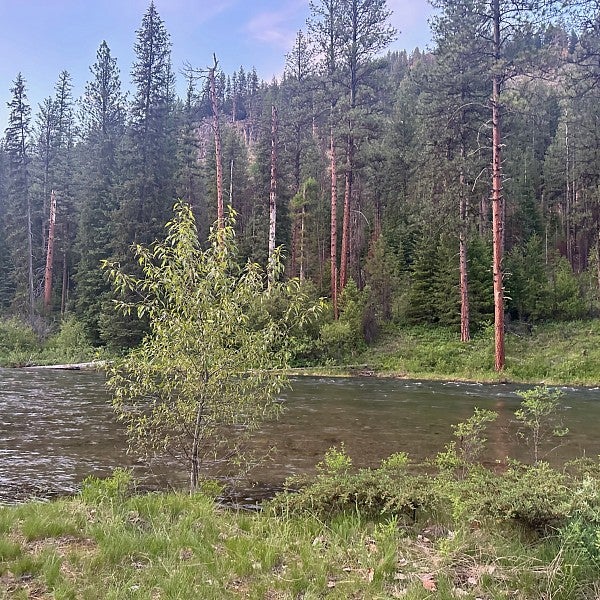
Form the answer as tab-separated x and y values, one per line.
57	427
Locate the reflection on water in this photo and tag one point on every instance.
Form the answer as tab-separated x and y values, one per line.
56	427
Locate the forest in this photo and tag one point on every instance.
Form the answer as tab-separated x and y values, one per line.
456	186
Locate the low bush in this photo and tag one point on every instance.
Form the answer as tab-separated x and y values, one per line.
16	336
389	489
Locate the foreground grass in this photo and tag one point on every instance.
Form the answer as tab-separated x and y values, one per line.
184	546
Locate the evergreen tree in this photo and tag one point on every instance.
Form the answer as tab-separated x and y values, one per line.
18	214
62	180
190	184
7	291
148	188
103	118
365	32
453	111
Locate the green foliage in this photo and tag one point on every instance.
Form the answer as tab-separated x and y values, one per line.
470	434
536	496
581	533
470	443
390	489
567	302
336	462
538	417
16	336
343	338
71	341
204	376
528	287
382	270
302	339
114	488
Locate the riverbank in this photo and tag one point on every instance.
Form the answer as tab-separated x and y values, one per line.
368	535
553	354
566	353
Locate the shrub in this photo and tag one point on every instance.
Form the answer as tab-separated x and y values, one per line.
538	417
16	336
95	490
389	489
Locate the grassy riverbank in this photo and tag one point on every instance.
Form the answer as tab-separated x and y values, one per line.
566	353
555	354
348	535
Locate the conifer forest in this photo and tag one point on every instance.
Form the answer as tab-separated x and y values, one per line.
454	186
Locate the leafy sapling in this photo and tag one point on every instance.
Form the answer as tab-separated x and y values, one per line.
206	374
470	441
538	418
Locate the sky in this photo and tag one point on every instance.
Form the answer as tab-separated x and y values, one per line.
41	38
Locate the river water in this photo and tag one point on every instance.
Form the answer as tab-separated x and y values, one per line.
57	427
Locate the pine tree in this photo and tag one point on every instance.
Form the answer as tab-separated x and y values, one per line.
453	112
103	118
18	211
365	32
62	180
190	183
148	187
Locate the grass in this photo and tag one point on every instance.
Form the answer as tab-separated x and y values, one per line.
180	545
557	353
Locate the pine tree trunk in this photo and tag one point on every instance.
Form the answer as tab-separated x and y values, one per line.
497	202
333	246
568	239
273	190
30	258
65	273
218	150
302	218
346	218
50	253
465	332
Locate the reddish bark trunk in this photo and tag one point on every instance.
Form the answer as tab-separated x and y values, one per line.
346	220
50	253
465	332
465	329
497	203
333	246
273	190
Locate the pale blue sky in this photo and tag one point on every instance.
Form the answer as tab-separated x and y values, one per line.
40	38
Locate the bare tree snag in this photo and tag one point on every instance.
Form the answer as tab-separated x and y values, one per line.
50	253
273	190
333	247
218	151
346	218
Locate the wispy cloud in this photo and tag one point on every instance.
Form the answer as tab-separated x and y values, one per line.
278	27
187	10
